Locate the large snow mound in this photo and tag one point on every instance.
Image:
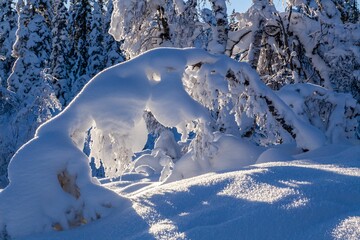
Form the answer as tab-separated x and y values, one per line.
50	182
314	197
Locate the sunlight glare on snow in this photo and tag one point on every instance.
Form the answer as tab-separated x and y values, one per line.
294	183
165	230
244	187
348	229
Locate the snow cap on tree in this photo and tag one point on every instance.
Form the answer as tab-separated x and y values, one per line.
113	54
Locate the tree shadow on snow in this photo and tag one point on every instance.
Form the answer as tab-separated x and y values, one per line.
284	202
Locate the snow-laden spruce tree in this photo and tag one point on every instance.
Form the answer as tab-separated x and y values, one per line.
8	101
34	95
8	25
32	47
8	108
219	28
59	68
96	40
79	29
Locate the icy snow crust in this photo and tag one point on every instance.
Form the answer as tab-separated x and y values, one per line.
313	197
50	182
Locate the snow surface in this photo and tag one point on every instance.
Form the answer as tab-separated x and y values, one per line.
316	196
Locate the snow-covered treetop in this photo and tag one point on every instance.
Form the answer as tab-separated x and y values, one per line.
143	25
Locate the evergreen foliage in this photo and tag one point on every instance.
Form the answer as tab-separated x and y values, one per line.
31	100
79	29
60	67
96	40
8	25
32	49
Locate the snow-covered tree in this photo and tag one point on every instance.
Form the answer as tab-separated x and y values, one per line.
188	27
8	108
348	9
113	53
328	44
345	10
8	25
219	35
59	68
307	43
144	25
96	41
34	96
261	38
32	47
141	25
79	29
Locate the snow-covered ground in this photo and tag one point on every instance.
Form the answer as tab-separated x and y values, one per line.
314	196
